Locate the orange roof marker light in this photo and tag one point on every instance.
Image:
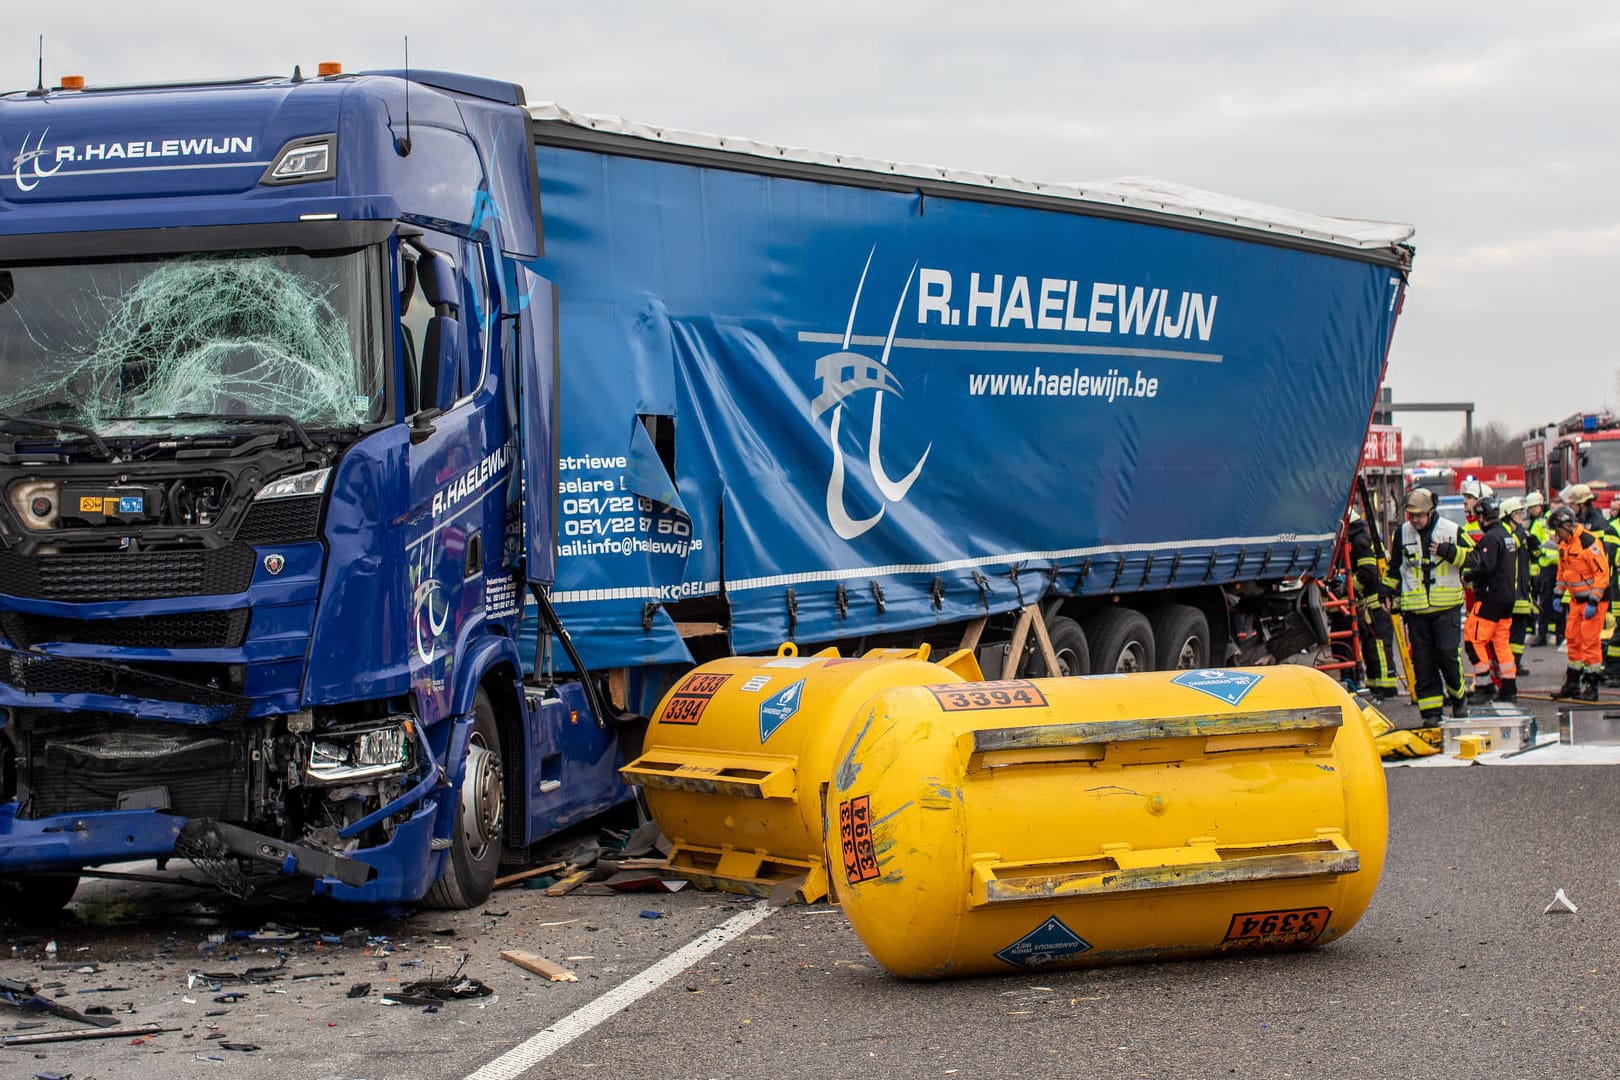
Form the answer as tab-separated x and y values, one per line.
73	82
329	67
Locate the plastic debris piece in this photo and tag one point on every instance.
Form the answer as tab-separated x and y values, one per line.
652	914
1561	905
359	990
246	1048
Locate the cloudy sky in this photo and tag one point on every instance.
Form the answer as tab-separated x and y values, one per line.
1489	126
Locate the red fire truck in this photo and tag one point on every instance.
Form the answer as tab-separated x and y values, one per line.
1581	449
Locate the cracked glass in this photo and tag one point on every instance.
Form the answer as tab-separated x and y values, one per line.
116	345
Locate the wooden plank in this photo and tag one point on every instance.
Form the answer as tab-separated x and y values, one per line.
539	965
524	875
569	883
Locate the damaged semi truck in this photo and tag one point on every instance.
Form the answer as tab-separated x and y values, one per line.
376	449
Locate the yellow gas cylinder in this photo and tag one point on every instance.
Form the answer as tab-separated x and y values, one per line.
739	750
1053	823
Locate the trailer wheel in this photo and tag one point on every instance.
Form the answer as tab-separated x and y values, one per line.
1069	642
475	842
1121	641
1182	635
37	898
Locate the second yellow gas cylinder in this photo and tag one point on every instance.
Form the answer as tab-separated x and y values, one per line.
976	828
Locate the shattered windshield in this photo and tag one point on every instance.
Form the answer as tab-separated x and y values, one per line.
112	344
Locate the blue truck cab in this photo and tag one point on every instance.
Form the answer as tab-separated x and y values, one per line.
276	374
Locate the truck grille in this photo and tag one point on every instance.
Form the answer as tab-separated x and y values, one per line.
187	630
144	575
281	521
38	673
82	762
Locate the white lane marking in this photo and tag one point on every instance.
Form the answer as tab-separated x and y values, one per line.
526	1055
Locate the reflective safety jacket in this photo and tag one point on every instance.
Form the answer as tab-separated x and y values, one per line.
1524	566
1493	570
1363	561
1428	583
1547	553
1583	567
1611	545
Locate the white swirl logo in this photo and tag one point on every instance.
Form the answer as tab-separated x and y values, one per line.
27	163
844	373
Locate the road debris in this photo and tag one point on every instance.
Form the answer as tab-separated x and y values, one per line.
539	965
79	1035
1561	905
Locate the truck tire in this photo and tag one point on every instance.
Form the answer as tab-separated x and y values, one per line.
1121	641
37	898
1181	633
1069	642
475	842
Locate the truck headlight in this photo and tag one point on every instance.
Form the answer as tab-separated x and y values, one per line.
291	487
363	753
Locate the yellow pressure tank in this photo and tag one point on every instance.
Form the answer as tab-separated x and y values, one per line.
1058	823
739	750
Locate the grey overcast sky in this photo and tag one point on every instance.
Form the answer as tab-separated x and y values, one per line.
1490	126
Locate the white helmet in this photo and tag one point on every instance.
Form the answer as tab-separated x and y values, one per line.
1512	505
1535	498
1471	488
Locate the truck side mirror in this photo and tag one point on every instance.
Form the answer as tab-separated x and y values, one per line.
441	361
438	277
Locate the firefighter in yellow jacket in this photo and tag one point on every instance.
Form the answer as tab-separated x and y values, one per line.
1425	572
1583	577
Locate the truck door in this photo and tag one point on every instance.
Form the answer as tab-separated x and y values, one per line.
532	327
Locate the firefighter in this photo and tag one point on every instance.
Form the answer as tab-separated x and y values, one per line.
1524	605
1583	576
1493	570
1611	652
1372	621
1472	491
1579	498
1543	571
1425	572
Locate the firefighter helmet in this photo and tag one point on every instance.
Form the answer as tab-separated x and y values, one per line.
1487	510
1470	488
1562	517
1535	498
1419	501
1576	494
1511	506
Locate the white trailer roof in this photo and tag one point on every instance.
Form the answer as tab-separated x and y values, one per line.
1134	192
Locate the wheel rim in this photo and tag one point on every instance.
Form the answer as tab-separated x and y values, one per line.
1132	659
1066	662
1188	657
483	804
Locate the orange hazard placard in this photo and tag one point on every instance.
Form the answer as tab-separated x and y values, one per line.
1005	694
1285	929
691	697
855	837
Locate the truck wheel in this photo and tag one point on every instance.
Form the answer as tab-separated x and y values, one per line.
1182	635
475	842
37	898
1069	642
1121	641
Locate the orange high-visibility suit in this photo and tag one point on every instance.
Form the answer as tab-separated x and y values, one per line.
1583	573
